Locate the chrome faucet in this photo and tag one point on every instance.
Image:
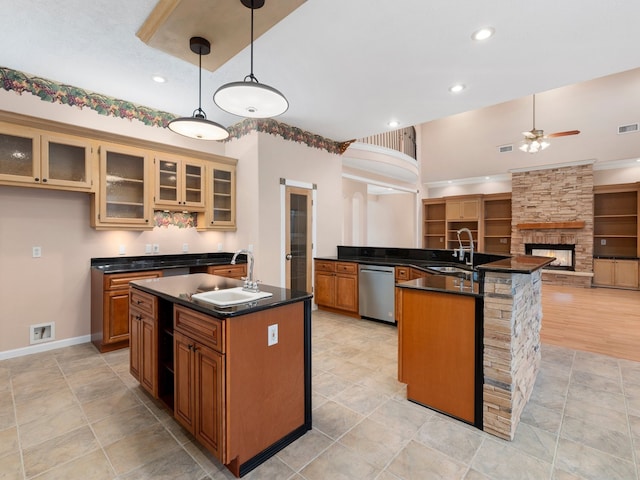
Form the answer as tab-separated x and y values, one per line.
463	249
250	284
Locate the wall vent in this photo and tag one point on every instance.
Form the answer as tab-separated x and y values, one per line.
631	128
505	148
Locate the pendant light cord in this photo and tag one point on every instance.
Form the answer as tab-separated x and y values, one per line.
200	111
251	76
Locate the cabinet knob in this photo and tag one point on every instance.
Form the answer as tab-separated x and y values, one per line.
44	180
138	317
37	179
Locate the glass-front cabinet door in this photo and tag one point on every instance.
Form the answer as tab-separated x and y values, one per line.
19	154
66	162
179	184
30	156
124	196
221	198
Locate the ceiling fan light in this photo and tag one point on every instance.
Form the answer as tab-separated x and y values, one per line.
198	127
250	99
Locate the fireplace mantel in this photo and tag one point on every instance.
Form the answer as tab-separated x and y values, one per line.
550	225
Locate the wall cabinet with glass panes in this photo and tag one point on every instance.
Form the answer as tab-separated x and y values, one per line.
180	184
220	211
123	199
31	157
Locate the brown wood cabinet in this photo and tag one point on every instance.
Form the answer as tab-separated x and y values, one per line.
496	219
143	331
463	209
615	273
434	223
336	286
232	271
180	183
199	377
110	307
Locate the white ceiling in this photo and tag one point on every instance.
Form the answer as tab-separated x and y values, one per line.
347	67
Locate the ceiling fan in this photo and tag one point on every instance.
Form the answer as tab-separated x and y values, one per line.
535	140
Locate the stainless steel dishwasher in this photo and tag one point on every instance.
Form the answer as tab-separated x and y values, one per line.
377	292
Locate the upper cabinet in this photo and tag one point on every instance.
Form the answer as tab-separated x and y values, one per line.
463	209
123	199
180	184
220	212
34	157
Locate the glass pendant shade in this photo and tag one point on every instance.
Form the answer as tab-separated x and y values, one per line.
197	126
533	145
251	98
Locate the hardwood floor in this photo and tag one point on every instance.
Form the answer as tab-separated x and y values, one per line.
599	320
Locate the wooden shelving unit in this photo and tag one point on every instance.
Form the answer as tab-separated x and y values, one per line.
434	223
496	234
615	221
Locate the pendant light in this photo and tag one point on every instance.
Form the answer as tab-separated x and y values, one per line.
250	98
197	126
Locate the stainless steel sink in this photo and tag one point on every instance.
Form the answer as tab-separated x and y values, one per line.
230	296
449	269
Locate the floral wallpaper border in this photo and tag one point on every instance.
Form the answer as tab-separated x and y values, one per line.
177	219
50	91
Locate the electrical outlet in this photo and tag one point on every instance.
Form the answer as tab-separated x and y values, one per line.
272	335
36	252
156	248
122	250
603	241
250	247
185	247
148	248
220	247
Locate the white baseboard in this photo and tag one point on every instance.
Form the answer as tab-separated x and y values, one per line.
44	347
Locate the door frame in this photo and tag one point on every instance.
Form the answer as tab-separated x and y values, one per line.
284	183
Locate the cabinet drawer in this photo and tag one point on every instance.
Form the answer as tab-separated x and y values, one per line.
351	268
325	266
121	280
199	326
143	301
402	273
231	271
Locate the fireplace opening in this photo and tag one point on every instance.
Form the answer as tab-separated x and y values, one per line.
564	254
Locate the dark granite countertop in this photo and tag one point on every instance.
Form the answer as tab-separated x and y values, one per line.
444	283
178	289
161	262
517	264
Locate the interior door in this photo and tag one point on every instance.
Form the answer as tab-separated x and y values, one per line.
298	241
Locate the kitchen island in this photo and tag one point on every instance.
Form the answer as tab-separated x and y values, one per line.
237	377
473	352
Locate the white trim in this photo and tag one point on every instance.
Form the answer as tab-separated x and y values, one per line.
628	162
368	147
358	178
503	177
577	163
44	347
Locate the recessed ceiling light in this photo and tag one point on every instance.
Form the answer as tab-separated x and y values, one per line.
457	88
159	79
449	181
487	178
393	123
483	33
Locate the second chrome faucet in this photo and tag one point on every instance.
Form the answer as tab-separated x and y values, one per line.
250	284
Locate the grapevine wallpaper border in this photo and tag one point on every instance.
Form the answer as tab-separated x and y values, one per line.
50	91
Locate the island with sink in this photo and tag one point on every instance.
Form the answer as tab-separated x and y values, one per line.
468	329
231	361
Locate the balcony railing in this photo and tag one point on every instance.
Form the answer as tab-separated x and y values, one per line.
402	140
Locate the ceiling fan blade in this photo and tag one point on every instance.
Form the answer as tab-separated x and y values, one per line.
564	134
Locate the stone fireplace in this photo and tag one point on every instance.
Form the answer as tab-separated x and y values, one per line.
564	254
554	206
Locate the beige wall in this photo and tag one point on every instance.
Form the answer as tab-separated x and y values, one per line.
391	220
56	286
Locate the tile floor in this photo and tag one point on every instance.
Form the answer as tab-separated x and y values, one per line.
75	414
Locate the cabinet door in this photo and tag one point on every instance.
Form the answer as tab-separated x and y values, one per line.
124	181
209	383
67	162
325	289
603	272
19	155
626	273
116	316
149	355
230	271
184	378
220	205
179	184
346	292
135	333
